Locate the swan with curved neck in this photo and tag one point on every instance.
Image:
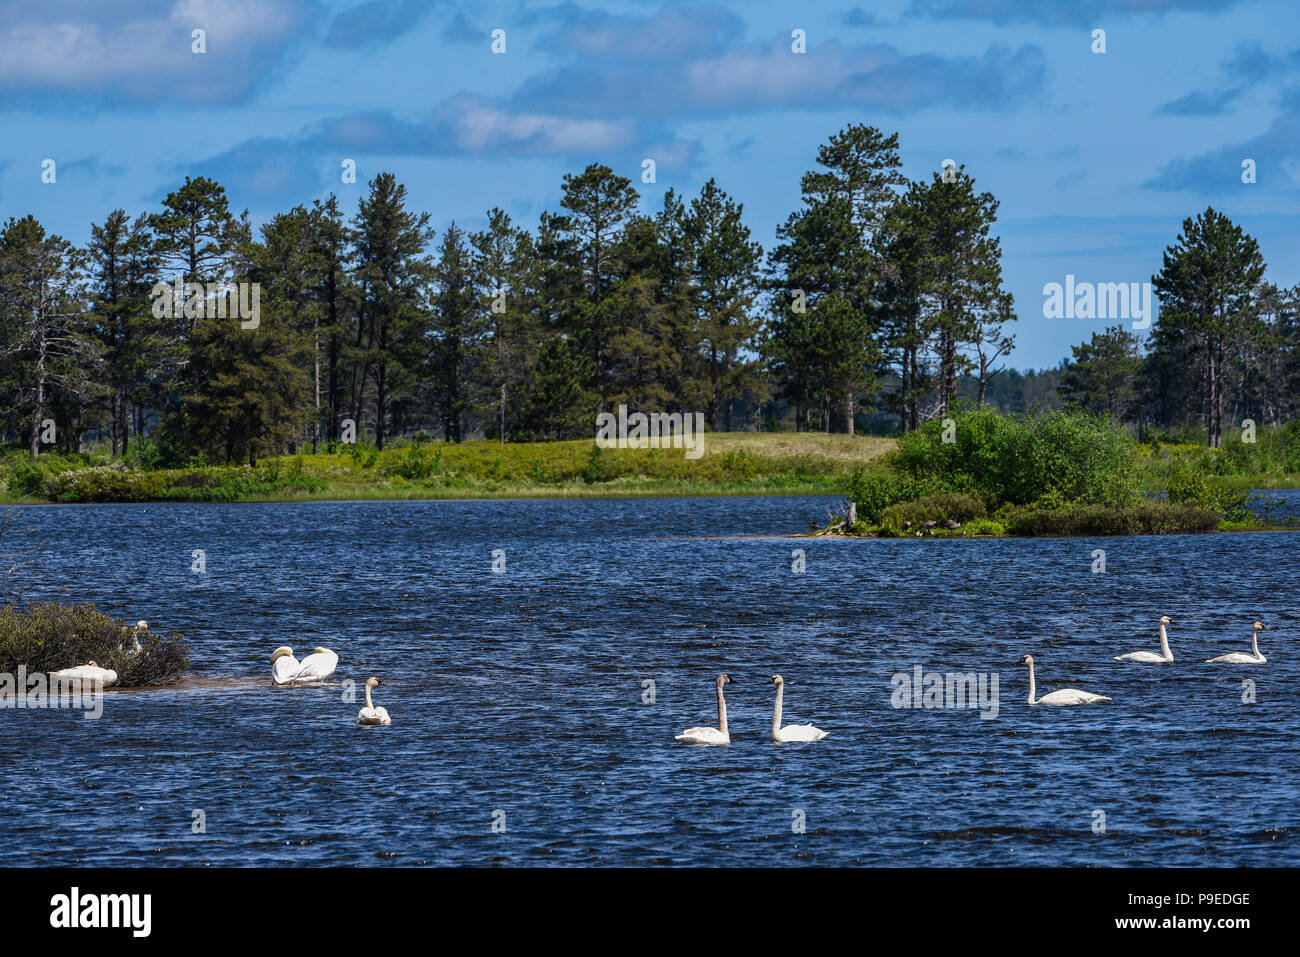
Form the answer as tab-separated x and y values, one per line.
1064	696
1150	656
792	732
1240	657
719	735
284	666
370	714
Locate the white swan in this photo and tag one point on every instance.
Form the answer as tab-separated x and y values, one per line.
1150	656
284	666
1064	696
88	673
140	626
1240	657
317	666
718	735
370	714
791	732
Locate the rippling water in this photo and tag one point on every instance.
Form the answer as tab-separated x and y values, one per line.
518	697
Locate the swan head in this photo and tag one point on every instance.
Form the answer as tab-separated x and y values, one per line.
142	625
778	680
1259	626
723	680
1166	620
320	651
1027	660
280	653
373	682
92	664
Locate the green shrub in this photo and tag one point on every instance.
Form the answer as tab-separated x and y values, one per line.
1020	459
938	507
1190	485
985	526
871	494
1145	518
50	637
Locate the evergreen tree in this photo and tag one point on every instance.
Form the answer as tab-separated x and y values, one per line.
123	267
1208	288
392	274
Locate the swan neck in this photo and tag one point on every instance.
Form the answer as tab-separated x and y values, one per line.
369	704
722	712
1254	643
1031	683
1164	644
776	712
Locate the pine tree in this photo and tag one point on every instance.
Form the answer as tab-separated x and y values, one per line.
123	267
47	344
1208	288
392	273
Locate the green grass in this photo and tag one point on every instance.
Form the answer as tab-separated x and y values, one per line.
732	464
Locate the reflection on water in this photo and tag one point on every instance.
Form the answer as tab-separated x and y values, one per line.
526	692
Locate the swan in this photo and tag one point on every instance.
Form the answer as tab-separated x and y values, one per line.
140	626
284	666
89	673
791	732
370	714
1150	656
1064	696
718	735
320	664
1240	657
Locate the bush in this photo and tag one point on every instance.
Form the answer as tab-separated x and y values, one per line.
50	637
871	494
985	526
1193	486
1020	459
938	507
1146	518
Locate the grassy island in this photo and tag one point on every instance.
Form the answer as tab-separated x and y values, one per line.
984	473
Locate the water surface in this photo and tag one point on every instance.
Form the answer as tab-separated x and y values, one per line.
518	697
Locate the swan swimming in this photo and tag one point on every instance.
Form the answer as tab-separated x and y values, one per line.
284	666
370	714
791	732
317	666
718	735
1062	697
88	673
1240	657
1150	656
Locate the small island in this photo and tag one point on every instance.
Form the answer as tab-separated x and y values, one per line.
1063	473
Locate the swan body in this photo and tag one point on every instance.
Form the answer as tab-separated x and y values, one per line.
317	666
284	666
791	732
140	627
1065	696
718	735
1150	657
87	674
1240	657
370	714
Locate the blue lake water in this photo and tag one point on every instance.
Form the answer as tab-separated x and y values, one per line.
518	697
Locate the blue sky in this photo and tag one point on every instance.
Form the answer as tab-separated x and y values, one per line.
1095	158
